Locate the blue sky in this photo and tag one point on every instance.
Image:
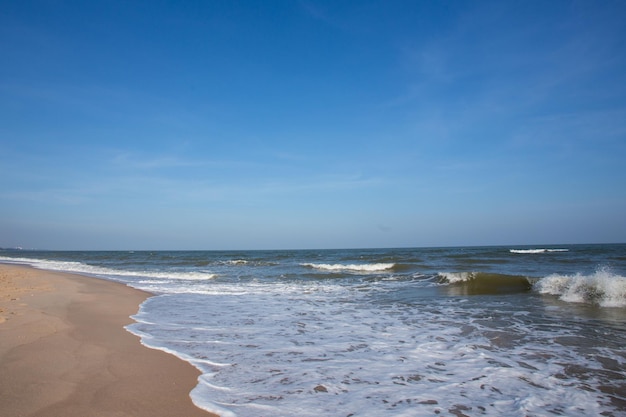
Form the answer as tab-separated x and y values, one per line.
311	124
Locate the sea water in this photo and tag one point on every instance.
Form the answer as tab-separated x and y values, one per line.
474	331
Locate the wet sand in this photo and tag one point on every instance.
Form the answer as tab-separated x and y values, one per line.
64	351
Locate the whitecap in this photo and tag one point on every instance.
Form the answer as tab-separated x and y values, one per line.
454	277
375	267
603	288
542	250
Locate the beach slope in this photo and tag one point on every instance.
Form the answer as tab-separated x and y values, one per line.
64	351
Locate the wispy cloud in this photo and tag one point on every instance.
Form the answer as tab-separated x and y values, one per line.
128	160
327	183
321	13
50	196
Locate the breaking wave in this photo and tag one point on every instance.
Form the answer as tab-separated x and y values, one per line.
603	288
376	267
83	268
537	250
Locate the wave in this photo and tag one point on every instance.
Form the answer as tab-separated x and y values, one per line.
477	283
541	250
242	262
178	275
235	262
376	267
82	268
603	288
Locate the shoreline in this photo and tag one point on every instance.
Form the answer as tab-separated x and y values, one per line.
64	351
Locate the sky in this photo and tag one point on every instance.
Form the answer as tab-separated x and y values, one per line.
289	124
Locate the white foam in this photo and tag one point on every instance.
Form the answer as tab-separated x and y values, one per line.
328	351
537	250
82	268
375	267
236	262
454	277
602	287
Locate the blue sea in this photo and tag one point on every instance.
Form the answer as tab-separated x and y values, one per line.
469	331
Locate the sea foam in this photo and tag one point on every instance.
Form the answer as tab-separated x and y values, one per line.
100	271
374	267
603	288
537	250
323	352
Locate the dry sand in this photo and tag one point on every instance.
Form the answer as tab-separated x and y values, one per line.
64	351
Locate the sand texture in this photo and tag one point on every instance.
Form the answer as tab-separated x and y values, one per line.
64	351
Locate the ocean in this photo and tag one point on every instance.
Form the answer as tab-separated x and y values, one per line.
467	331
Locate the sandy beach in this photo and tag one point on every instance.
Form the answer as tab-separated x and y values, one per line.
64	351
